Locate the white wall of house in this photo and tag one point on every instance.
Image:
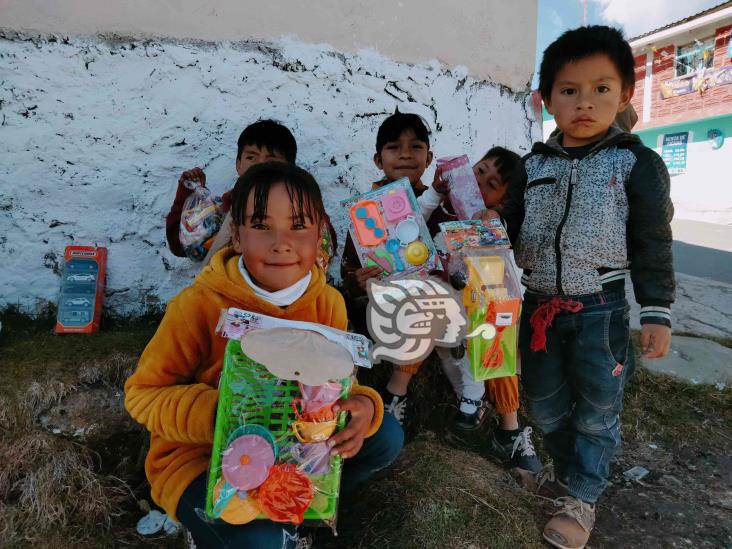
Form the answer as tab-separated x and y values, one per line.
494	39
94	133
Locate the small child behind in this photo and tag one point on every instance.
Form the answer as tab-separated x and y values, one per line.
277	217
586	207
262	141
509	443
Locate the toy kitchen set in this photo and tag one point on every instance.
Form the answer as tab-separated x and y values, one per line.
388	231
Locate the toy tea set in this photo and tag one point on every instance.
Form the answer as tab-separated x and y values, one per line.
482	264
270	458
388	230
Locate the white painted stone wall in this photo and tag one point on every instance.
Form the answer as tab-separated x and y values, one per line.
94	134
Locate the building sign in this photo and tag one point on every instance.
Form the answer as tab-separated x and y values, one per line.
699	83
673	152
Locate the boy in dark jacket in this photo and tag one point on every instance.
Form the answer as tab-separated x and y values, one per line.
589	205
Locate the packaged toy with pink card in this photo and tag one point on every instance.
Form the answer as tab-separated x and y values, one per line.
465	195
388	230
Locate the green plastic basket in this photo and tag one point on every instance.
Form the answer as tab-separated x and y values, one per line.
250	394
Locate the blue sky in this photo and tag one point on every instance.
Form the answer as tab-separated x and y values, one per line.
633	16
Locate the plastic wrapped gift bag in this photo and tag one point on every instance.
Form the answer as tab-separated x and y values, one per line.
199	221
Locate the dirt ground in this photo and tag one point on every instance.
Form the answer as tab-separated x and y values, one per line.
72	462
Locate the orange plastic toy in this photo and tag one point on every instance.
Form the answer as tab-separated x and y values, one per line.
286	494
368	223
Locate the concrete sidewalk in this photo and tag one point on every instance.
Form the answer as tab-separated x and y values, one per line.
703	309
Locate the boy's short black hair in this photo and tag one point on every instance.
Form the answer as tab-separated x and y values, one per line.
399	122
307	202
583	42
505	161
271	135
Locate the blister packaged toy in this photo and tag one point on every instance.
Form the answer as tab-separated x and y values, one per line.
465	194
474	233
388	230
270	458
482	264
82	290
200	219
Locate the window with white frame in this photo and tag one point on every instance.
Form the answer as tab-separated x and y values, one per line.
691	58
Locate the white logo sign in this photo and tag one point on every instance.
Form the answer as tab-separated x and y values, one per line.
408	318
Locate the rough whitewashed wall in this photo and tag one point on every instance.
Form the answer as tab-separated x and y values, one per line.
95	132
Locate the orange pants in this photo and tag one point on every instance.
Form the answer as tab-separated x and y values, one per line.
502	391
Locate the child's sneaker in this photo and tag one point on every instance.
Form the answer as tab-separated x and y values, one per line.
398	406
471	414
571	525
545	483
518	452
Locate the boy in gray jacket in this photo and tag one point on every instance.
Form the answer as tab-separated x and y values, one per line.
588	206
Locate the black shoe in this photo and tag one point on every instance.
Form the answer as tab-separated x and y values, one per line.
519	453
471	422
398	406
459	351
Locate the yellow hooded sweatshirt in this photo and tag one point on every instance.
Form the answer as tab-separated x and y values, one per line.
174	391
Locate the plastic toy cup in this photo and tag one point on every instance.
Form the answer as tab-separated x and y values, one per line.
310	431
324	413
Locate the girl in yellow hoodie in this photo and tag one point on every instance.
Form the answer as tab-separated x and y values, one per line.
277	214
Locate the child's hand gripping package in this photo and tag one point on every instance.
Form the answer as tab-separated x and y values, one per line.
465	194
270	457
482	264
199	221
389	231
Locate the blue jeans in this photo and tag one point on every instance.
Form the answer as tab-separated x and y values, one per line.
574	389
377	453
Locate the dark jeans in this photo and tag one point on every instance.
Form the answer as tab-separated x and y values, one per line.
377	453
574	389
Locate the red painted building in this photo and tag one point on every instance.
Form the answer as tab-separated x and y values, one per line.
683	97
687	68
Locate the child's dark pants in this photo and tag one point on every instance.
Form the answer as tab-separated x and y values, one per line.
574	389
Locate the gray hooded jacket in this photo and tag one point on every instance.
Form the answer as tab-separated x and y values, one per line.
579	224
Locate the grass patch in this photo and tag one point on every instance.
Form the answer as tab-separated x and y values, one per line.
437	496
661	408
31	351
54	488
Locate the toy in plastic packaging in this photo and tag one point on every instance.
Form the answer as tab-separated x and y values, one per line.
389	231
465	194
82	290
481	265
474	233
270	457
491	296
199	221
